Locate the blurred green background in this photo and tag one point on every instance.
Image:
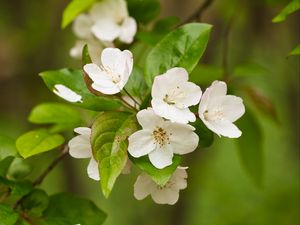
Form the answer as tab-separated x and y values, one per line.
219	191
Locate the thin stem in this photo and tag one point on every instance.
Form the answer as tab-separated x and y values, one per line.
199	12
127	104
133	99
63	153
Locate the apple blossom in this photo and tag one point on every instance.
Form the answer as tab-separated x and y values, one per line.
111	21
218	111
66	93
167	194
80	147
172	94
160	139
113	73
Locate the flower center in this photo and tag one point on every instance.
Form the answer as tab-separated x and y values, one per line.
214	115
116	78
169	184
161	136
174	96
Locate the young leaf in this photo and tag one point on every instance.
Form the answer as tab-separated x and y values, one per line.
251	155
73	210
181	48
109	142
59	114
293	6
73	9
73	79
7	215
37	141
143	11
159	176
295	51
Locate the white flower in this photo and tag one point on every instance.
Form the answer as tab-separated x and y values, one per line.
111	21
218	111
172	94
167	194
160	139
82	26
66	93
113	74
80	147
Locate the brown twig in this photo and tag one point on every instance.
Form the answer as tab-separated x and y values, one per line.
199	12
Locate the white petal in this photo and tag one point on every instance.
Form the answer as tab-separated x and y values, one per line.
143	186
80	147
165	196
76	50
66	93
128	30
148	119
224	128
183	139
111	90
171	112
192	95
140	143
179	178
83	131
93	170
161	157
106	30
232	106
82	26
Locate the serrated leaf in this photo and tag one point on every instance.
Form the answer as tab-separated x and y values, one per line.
290	8
62	115
109	143
37	141
250	147
73	9
159	176
295	51
143	11
206	136
7	215
74	80
74	210
182	47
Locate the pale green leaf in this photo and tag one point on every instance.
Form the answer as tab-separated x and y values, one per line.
293	6
295	51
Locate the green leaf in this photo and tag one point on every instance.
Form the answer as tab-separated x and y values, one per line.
66	207
206	74
7	147
62	115
250	147
5	164
290	8
7	215
109	142
73	79
206	136
73	9
143	11
17	188
86	58
295	51
159	176
19	169
181	48
37	141
36	202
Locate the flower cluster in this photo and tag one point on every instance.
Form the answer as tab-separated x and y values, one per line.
106	21
165	125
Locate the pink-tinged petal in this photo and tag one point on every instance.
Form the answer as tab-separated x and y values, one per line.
128	30
162	156
141	143
148	119
93	170
80	147
171	112
143	186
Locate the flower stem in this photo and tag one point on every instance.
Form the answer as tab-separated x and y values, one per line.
133	99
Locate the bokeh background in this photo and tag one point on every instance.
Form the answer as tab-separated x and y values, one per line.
219	191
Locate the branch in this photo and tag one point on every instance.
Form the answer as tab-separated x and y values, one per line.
64	152
199	12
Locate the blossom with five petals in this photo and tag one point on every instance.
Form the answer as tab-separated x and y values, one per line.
160	139
172	94
110	77
218	110
168	194
80	147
